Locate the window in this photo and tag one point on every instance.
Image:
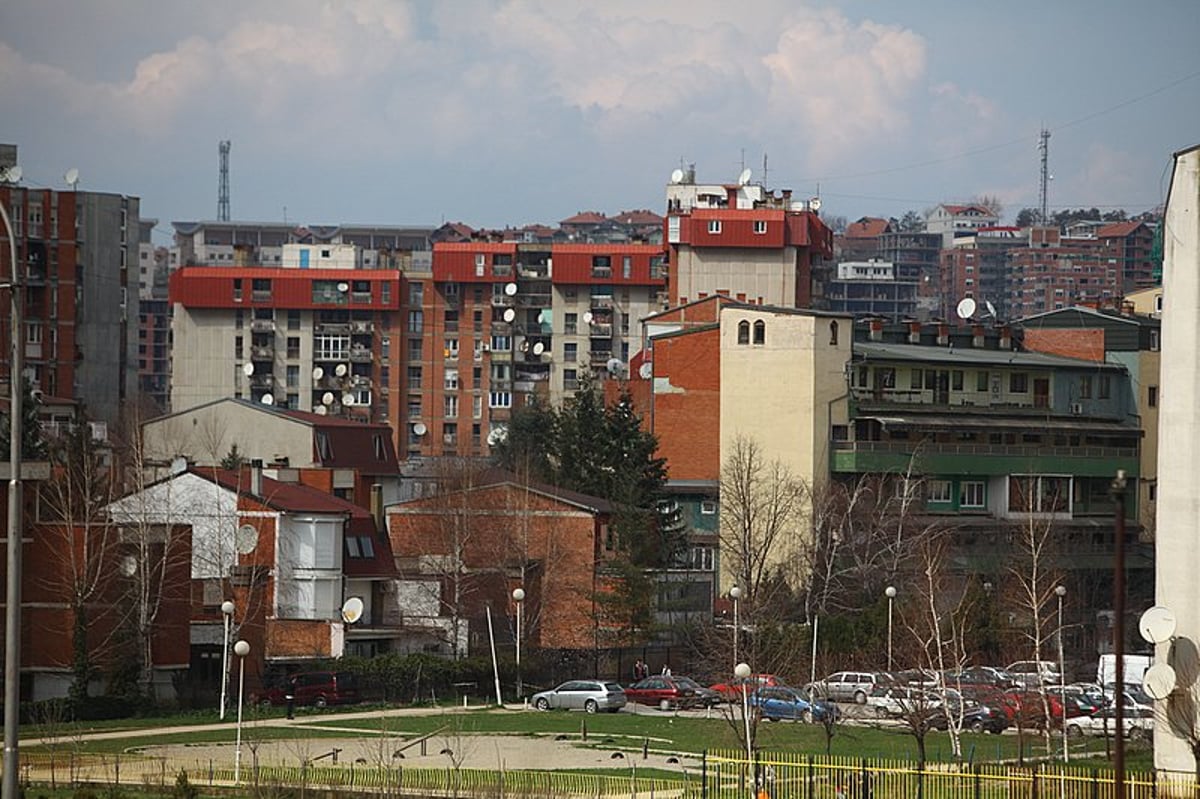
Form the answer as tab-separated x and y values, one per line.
451	349
477	407
701	559
237	289
1105	386
500	399
450	379
981	381
293	320
914	380
1018	383
956	380
708	507
833	333
416	321
293	346
328	347
414	377
416	294
974	494
451	405
328	292
1152	396
760	226
570	379
743	332
414	349
714	226
1039	493
627	267
940	491
1154	340
1085	387
237	346
501	343
293	376
570	352
760	332
570	323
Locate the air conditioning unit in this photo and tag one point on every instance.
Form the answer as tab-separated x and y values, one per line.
1077	408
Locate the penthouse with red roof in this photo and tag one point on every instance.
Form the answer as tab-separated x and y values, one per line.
953	220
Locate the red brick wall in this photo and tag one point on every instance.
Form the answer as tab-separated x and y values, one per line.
687	419
1070	342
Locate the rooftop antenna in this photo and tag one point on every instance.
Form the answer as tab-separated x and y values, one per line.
223	185
764	178
1044	149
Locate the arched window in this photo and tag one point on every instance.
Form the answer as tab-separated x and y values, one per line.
760	332
833	333
743	332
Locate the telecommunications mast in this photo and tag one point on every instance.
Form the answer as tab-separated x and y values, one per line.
223	185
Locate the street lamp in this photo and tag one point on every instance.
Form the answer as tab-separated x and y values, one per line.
12	611
735	594
241	649
518	596
1060	591
227	609
890	593
742	672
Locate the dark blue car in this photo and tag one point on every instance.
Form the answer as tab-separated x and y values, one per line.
779	702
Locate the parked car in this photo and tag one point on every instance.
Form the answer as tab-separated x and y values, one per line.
319	688
731	691
1034	673
1138	722
1081	699
591	696
848	686
669	693
780	702
1028	709
980	675
919	678
982	718
897	701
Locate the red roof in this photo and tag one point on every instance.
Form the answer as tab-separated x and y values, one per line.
962	209
640	216
1118	230
365	447
288	497
869	227
585	218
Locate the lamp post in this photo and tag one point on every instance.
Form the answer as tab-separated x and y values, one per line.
518	596
241	649
890	593
1060	591
742	672
735	594
12	611
1117	491
227	609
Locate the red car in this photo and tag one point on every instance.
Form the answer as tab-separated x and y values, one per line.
1027	709
668	693
732	691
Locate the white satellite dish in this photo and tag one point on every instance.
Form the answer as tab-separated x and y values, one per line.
341	369
129	565
646	370
541	317
539	348
525	345
247	369
352	610
991	309
12	174
320	410
815	204
966	308
419	429
677	176
587	317
509	314
245	540
343	287
318	373
614	365
348	399
1159	681
72	178
744	178
1157	625
327	398
268	399
497	435
510	289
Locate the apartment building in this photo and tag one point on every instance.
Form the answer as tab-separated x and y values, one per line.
953	221
871	288
1053	272
976	267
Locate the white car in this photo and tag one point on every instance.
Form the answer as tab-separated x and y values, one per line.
1034	673
1138	722
899	701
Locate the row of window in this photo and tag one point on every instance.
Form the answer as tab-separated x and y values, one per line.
714	226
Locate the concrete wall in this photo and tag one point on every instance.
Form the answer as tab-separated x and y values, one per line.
767	275
206	434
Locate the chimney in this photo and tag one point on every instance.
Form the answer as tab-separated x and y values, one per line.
876	327
377	507
1005	338
977	336
256	467
943	334
914	332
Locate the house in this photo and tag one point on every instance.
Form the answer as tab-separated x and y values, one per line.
952	221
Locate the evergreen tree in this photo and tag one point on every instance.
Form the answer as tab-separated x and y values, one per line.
528	446
233	459
33	443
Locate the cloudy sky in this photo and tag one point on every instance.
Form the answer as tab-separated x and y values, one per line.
497	113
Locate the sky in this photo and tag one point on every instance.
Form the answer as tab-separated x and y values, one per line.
498	113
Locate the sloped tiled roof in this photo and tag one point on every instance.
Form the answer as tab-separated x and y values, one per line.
962	209
286	497
585	218
640	216
868	227
1118	230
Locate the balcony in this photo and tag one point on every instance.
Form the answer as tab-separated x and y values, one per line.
265	352
260	295
360	327
534	300
600	330
262	381
599	357
262	326
360	297
979	458
361	355
602	301
502	300
330	327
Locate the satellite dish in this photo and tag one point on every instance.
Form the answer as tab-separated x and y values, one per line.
348	399
525	345
128	565
744	178
587	317
539	348
498	435
966	308
815	204
990	308
614	365
677	176
509	314
318	373
352	610
72	178
268	399
340	370
245	540
1157	625
646	370
1159	681
327	398
320	410
343	287
541	317
12	174
247	369
419	429
510	289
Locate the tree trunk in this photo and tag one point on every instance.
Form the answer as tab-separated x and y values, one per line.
81	666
